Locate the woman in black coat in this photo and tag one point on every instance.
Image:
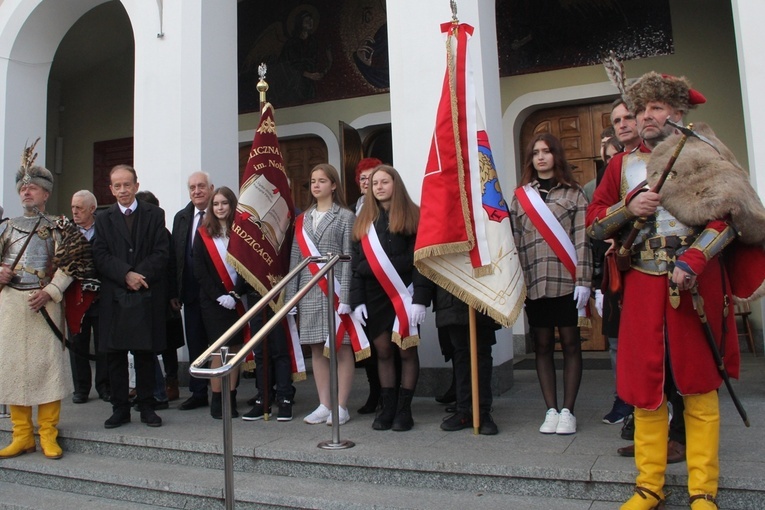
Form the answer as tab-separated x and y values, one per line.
395	218
220	285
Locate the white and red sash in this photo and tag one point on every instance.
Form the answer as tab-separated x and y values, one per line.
400	296
223	274
345	323
552	232
548	226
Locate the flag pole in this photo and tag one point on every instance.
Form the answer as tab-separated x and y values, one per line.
262	88
474	369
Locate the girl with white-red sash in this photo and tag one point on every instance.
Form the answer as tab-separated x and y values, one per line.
325	227
220	285
383	274
548	219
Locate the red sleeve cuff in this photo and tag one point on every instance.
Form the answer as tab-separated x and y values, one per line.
695	259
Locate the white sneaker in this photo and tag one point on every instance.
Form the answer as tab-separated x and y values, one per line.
566	423
344	416
551	422
320	415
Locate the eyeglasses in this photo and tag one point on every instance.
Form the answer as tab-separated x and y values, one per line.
364	178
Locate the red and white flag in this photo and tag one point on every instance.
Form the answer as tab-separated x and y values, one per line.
261	236
468	249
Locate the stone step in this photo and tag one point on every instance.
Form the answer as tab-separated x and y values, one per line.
481	469
90	481
18	496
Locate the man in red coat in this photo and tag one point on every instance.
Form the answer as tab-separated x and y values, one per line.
661	337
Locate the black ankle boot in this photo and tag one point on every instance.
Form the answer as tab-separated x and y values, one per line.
374	389
388	400
216	406
403	420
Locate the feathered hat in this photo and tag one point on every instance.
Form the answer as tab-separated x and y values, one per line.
652	86
29	173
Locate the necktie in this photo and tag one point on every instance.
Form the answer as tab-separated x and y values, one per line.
200	216
128	212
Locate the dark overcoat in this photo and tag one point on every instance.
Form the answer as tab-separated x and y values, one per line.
132	320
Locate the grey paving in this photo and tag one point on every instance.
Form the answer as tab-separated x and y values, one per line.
385	469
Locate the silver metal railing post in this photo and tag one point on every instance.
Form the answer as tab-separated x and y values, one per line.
229	364
335	443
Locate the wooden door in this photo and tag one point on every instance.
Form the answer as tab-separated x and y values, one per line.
106	155
300	156
578	128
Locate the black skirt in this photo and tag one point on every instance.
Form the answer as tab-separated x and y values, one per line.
552	312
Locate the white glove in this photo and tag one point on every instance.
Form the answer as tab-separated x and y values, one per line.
227	301
343	309
581	296
599	301
360	314
416	315
293	311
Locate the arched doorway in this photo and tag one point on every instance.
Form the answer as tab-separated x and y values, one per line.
90	98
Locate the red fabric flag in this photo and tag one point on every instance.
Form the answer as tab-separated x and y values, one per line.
261	235
464	241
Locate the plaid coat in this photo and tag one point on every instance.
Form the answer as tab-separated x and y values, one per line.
333	235
545	274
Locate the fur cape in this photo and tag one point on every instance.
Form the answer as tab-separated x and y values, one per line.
704	186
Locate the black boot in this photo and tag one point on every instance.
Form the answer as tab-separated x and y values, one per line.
374	390
384	419
216	406
403	420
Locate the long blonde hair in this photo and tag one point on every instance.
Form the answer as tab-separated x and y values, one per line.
404	215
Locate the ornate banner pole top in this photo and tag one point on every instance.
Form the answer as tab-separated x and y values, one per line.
262	85
453	4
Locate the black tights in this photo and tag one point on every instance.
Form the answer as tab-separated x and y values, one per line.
386	366
544	341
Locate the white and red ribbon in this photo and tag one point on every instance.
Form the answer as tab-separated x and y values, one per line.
345	323
398	293
548	226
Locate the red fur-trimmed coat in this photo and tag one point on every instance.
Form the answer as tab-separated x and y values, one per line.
648	319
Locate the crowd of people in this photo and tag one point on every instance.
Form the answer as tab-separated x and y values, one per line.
133	277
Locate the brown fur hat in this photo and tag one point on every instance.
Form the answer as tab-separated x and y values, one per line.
674	91
705	186
34	175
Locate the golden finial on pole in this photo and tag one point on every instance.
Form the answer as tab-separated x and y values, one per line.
262	85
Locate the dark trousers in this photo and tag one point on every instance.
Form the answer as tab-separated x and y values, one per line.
170	362
460	338
279	362
196	341
81	373
119	379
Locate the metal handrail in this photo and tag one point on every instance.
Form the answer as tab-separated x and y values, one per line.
231	363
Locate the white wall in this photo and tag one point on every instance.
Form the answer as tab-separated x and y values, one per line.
750	39
417	66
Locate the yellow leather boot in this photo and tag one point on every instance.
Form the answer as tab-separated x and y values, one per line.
651	431
47	419
702	431
23	435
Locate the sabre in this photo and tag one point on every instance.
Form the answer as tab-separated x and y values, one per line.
698	304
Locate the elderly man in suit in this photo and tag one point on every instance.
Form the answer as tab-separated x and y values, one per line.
131	253
185	225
